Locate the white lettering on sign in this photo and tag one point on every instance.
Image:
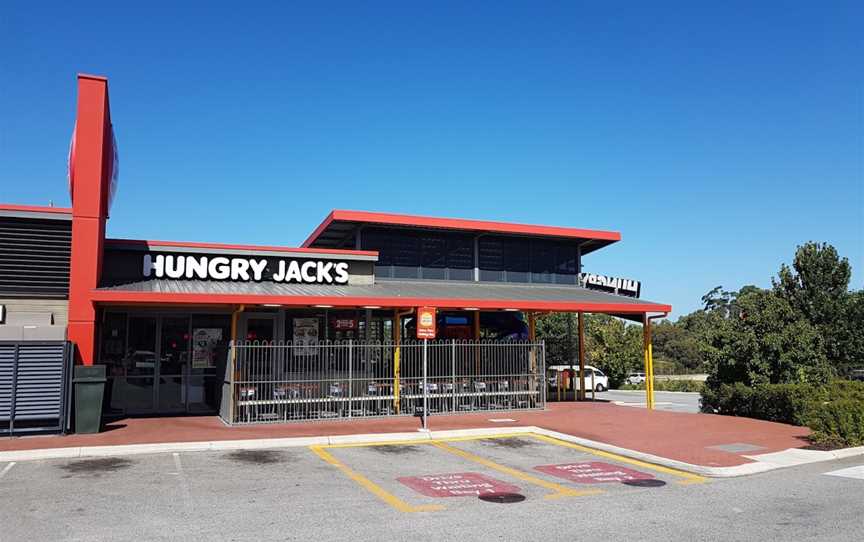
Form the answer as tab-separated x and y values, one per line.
612	284
594	472
243	269
457	485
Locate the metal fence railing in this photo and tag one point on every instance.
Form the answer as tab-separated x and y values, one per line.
35	386
278	382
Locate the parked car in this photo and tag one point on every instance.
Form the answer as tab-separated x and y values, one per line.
601	381
636	378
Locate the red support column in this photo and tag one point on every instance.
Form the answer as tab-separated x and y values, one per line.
91	164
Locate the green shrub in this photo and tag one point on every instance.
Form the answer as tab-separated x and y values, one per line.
668	385
838	423
834	411
729	399
785	403
678	385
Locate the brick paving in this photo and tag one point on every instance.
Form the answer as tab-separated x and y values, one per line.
693	438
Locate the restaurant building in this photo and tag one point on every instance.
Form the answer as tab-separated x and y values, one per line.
162	315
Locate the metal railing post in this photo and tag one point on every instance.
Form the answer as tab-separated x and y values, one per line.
350	374
425	385
453	371
232	366
542	374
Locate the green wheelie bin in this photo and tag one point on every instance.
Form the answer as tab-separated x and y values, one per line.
89	381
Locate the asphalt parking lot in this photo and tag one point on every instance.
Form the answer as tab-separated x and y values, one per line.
505	470
500	488
674	401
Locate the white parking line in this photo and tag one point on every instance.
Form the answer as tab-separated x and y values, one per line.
851	472
184	484
6	469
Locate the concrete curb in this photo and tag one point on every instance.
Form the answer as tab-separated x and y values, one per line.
761	463
712	472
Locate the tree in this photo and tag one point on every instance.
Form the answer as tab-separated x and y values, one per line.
718	300
676	343
613	346
558	330
765	340
817	287
817	284
610	343
848	334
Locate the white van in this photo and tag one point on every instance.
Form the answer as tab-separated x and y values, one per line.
601	381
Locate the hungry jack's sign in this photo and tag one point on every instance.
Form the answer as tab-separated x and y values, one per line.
617	285
243	269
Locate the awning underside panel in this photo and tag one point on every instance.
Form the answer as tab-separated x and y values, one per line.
395	291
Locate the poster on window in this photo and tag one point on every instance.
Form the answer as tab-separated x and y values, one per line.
306	336
205	342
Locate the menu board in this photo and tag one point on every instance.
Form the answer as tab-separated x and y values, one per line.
205	341
306	336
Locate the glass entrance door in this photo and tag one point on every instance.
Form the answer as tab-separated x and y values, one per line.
164	363
173	364
136	389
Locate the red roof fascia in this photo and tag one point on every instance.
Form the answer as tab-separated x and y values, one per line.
459	224
35	209
321	227
120	296
218	246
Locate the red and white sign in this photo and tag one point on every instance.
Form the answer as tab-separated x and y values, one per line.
593	472
344	323
426	323
459	484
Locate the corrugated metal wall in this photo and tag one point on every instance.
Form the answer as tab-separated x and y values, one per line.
34	257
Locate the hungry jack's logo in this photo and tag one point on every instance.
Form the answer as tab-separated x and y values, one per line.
239	269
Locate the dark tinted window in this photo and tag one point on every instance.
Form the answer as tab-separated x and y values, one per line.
542	261
504	259
460	252
433	251
565	259
491	258
491	253
443	255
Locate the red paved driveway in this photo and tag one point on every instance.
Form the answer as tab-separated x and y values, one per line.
681	436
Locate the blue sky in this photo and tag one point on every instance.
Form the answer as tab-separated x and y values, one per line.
715	136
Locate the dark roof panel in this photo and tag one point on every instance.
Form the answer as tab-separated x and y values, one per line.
385	293
337	229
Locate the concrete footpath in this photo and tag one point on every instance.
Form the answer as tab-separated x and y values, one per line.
706	444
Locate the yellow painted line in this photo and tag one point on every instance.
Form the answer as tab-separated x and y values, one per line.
687	477
371	486
559	490
415	442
